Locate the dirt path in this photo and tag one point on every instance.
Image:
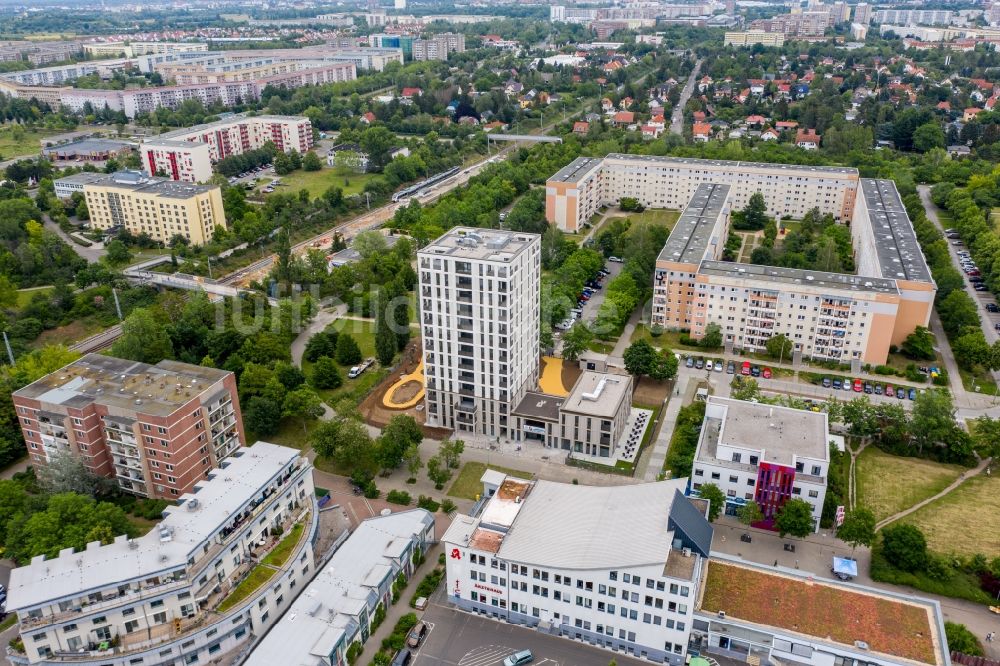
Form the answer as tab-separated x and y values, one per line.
852	483
954	484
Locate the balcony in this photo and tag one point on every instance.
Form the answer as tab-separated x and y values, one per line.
465	389
467	406
464	297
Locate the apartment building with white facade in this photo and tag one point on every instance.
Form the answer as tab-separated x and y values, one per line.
336	609
188	154
576	191
156	599
765	453
830	316
915	16
479	292
156	429
614	566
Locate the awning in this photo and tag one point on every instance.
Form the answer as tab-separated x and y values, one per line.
843	565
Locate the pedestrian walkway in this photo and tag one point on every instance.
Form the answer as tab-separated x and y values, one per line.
625	339
954	484
654	461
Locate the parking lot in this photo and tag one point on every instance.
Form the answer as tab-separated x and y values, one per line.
988	308
457	638
591	306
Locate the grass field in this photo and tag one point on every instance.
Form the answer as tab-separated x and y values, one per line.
29	143
468	485
888	484
253	582
317	182
963	521
671	339
69	334
660	216
24	296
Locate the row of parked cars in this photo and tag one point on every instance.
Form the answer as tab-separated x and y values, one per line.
251	172
968	265
859	386
746	368
592	286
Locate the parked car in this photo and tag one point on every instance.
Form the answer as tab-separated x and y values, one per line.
731	368
403	658
617	260
519	658
417	635
889	390
857	386
912	394
827	383
767	373
838	384
690	362
745	369
869	388
878	389
755	370
979	286
900	394
992	307
718	366
358	369
699	363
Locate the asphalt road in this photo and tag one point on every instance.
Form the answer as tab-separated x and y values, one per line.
677	117
457	638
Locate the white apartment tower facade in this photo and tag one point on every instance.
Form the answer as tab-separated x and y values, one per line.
480	313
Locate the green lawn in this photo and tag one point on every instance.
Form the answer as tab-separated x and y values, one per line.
363	332
29	143
468	485
8	622
317	182
290	433
253	582
671	339
24	296
278	556
964	520
979	383
659	216
888	484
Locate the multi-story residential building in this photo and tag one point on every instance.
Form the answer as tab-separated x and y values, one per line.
753	37
402	42
914	16
829	316
438	47
480	311
157	429
131	49
165	597
797	25
155	206
67	186
863	13
563	14
576	192
618	567
765	453
336	610
590	420
188	154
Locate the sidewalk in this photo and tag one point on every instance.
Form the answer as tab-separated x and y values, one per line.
658	454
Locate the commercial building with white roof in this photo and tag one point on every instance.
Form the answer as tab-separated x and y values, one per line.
827	316
765	453
615	566
337	607
158	598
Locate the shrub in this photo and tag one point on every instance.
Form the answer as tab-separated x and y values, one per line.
441	559
960	639
656	330
428	503
354	651
447	505
427	585
371	490
399	497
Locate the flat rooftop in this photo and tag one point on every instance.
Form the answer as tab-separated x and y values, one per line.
480	244
899	254
779	433
576	169
599	394
506	503
536	405
226	491
158	390
800	276
83	178
327	611
225	122
136	181
690	237
735	166
833	613
88	146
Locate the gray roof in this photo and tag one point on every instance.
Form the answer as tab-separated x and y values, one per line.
326	612
690	238
158	389
599	394
800	276
737	166
576	169
539	406
225	122
136	181
225	492
83	178
899	254
690	525
480	244
89	146
570	526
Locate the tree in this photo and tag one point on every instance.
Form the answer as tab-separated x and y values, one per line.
325	374
66	473
438	472
779	347
933	418
398	436
143	338
665	367
904	547
861	417
262	416
795	517
369	244
311	162
348	352
960	639
712	339
303	404
750	513
117	253
858	528
928	136
754	216
716	500
640	358
411	459
450	452
377	142
385	339
919	345
348	444
290	376
323	343
745	388
576	341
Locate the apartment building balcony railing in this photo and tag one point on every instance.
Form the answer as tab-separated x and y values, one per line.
463	311
464	324
226	402
465	417
126	451
466	406
132	486
464	297
464	364
466	390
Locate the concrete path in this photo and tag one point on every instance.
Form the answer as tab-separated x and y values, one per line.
92	254
954	484
323	319
658	454
625	339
